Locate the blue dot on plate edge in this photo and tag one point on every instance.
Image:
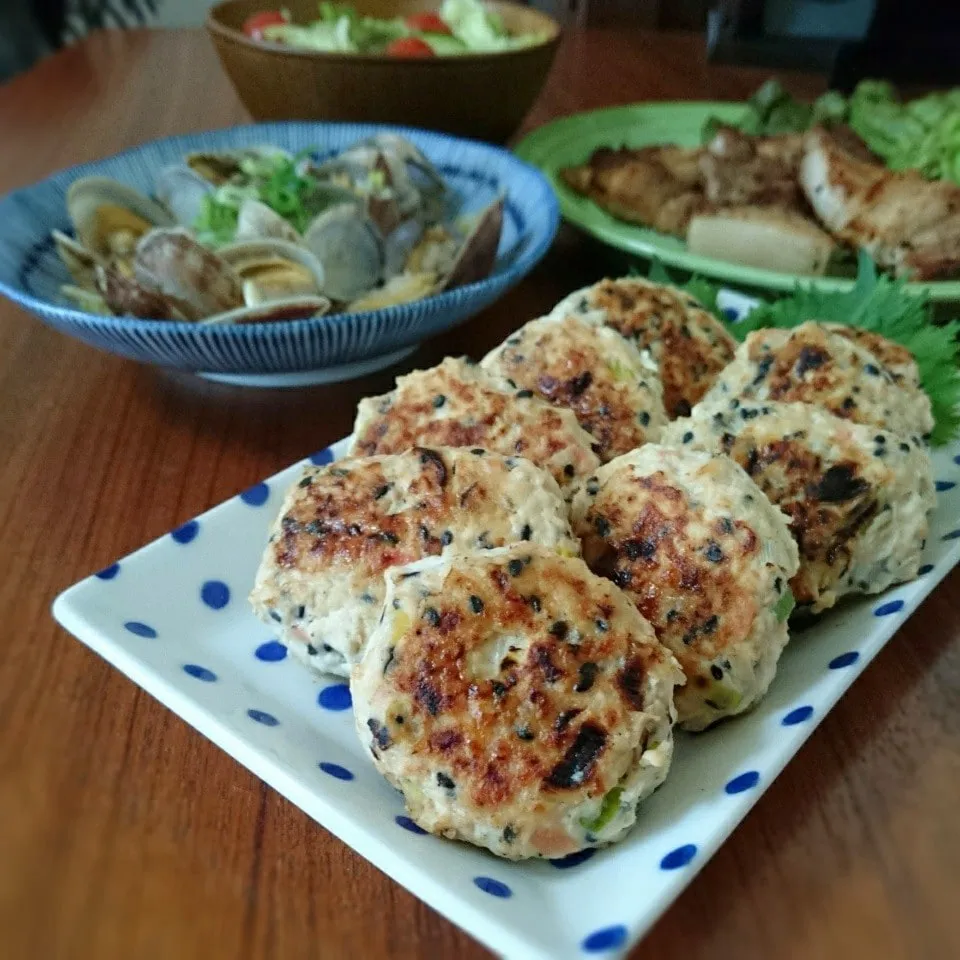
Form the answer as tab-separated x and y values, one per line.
271	652
952	535
140	629
198	672
335	697
108	573
335	770
322	457
609	938
742	782
496	888
187	532
679	857
925	569
944	485
261	716
797	716
844	660
256	496
408	824
885	609
215	594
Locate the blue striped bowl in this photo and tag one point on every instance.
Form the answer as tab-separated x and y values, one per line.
299	351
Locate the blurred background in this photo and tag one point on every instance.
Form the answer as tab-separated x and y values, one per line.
908	41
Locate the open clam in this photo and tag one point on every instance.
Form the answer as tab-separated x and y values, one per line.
126	297
274	270
110	218
173	263
350	248
478	253
257	221
78	260
222	166
182	192
294	308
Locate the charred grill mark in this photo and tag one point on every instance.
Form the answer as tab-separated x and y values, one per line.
541	657
444	740
839	483
428	696
810	358
428	456
630	681
381	735
580	758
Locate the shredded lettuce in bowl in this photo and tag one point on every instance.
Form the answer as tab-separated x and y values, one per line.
340	28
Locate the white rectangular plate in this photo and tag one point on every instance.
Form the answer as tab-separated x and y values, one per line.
174	618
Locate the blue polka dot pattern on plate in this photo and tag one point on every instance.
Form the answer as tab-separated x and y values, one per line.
730	313
574	859
952	535
199	673
322	457
797	716
496	888
885	609
956	459
335	697
609	938
261	716
186	533
108	573
944	485
256	496
844	660
925	569
141	629
742	782
679	857
408	824
335	770
271	652
215	594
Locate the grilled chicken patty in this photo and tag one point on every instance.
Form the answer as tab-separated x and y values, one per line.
517	701
616	396
857	497
689	346
457	404
320	584
811	364
706	558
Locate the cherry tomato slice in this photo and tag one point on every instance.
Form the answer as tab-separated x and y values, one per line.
428	23
254	25
409	47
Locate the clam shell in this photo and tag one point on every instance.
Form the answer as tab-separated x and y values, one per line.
173	263
257	221
295	308
109	217
350	248
274	270
126	297
78	260
398	246
478	254
220	166
404	288
182	192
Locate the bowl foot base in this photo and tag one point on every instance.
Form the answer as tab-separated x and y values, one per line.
309	378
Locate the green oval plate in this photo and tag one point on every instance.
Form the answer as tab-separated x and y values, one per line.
571	140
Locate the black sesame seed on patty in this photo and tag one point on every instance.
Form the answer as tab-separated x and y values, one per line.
559	629
716	672
568	470
524	733
586	677
711	623
446	538
311	650
438	401
382	491
527	532
644	418
476	604
602	526
601	625
713	552
276	616
524	394
515	568
432	616
478	451
444	781
534	602
305	482
688	436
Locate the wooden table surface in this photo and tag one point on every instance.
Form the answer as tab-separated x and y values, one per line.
124	835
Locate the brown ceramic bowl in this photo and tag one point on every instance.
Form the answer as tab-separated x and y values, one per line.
485	96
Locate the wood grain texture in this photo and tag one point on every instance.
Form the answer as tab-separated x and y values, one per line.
124	834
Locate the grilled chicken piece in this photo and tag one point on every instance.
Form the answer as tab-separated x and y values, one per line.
739	170
904	221
656	187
